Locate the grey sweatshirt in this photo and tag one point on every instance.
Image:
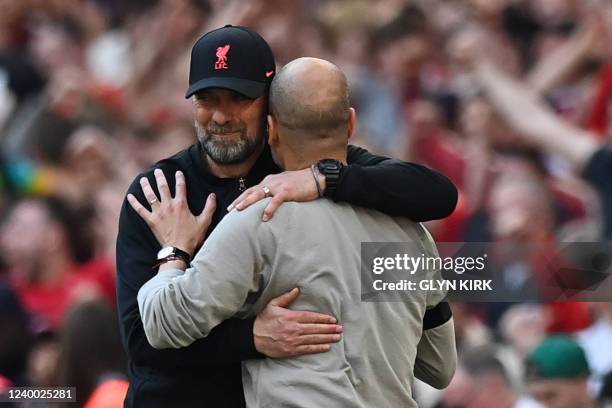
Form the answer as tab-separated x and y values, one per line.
314	246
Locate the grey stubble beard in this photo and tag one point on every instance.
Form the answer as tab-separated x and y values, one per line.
222	152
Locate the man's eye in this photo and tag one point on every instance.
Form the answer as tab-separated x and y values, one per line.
203	97
240	97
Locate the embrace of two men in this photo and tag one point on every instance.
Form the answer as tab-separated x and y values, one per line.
212	326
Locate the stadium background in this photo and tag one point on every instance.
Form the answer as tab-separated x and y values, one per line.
91	92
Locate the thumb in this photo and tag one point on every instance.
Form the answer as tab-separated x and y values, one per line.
286	299
209	209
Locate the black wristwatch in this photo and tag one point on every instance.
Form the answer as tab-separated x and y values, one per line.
331	169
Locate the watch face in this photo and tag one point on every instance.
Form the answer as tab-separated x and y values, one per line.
164	252
329	164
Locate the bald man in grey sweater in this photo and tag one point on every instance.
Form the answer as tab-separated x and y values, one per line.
315	246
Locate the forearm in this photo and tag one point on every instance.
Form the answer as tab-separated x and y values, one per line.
479	158
518	105
437	355
164	318
557	66
526	113
230	342
398	188
178	308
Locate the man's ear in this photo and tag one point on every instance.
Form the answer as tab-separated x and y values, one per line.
352	123
272	130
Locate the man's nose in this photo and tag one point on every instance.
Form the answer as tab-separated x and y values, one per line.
221	115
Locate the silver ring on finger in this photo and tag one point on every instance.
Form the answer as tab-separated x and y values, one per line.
266	191
153	201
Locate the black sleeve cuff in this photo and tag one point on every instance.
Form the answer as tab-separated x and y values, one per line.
346	188
242	338
437	316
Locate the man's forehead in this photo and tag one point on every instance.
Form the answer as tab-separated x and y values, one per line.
547	384
220	91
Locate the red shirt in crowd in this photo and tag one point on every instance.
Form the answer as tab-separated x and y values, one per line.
598	118
49	302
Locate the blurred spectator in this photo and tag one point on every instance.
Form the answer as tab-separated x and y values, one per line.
605	397
595	340
470	331
43	360
396	55
523	327
49	254
91	356
558	373
484	381
16	341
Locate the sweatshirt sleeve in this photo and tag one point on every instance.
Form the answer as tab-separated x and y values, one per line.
230	342
178	308
436	359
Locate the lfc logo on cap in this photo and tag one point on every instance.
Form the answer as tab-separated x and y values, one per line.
222	57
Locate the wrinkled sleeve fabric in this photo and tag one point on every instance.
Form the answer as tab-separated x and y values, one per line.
436	359
395	187
230	342
178	308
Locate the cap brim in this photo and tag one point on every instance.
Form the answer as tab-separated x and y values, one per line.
251	89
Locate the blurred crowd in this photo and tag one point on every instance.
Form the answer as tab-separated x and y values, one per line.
511	99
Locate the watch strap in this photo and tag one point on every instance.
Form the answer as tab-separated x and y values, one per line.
169	258
175	254
332	170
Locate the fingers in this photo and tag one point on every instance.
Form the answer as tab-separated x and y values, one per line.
272	206
286	299
312	349
162	185
240	198
181	187
148	191
321	329
314	343
255	195
139	208
313	317
209	209
319	339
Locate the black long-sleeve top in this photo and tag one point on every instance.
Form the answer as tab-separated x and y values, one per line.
208	373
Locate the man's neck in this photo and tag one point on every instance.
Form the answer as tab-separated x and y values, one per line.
303	161
233	170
